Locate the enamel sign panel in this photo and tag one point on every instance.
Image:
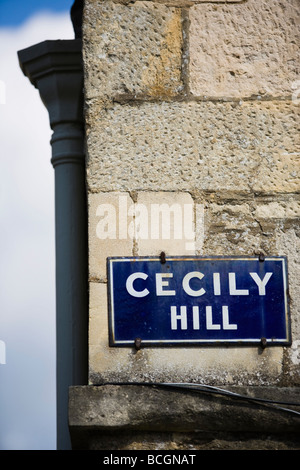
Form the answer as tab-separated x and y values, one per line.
196	300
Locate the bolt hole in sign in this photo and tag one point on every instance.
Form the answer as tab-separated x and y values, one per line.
197	300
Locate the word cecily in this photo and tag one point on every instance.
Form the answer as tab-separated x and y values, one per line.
162	282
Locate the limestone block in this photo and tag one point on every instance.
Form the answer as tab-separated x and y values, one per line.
231	229
170	224
108	230
280	170
101	356
244	49
288	243
186	146
280	209
250	225
98	314
132	49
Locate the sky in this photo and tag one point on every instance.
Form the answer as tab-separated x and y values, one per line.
27	268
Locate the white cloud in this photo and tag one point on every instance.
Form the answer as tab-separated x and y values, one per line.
27	277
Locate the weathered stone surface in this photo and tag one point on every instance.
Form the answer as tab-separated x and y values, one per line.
244	49
132	49
98	325
170	223
154	408
136	417
288	243
143	224
249	226
108	236
186	146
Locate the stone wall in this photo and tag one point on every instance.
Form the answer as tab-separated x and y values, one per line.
194	103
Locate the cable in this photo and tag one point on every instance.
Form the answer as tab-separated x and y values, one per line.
208	388
227	392
203	388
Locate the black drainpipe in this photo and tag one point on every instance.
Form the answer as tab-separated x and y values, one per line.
55	69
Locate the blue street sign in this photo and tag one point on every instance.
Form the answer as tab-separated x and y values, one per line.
197	300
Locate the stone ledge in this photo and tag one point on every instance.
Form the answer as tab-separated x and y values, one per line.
124	408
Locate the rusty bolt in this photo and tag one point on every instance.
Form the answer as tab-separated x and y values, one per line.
138	343
263	343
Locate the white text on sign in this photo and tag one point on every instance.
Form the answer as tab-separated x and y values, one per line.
163	287
162	281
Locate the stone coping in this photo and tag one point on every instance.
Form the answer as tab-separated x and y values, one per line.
139	407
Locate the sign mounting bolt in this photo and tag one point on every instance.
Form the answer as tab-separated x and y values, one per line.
162	257
263	343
